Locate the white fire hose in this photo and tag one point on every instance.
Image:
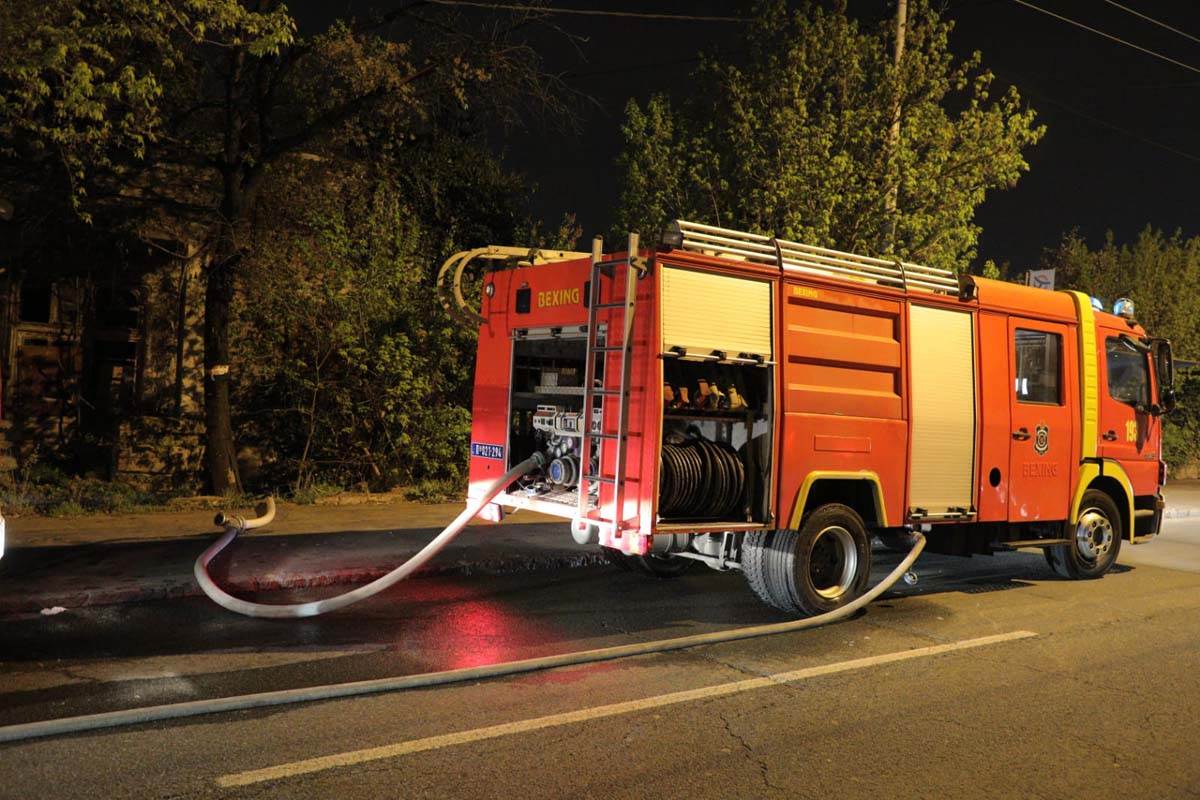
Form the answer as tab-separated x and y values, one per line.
138	716
235	525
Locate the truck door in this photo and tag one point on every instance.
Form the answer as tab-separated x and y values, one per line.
1126	426
1042	422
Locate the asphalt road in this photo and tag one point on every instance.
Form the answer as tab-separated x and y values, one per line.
989	678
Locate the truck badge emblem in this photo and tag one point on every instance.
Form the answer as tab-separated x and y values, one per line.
1041	439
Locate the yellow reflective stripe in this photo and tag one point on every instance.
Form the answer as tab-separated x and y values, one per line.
1088	473
1114	470
1089	378
1089	414
816	475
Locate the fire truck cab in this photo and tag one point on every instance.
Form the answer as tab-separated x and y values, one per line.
759	404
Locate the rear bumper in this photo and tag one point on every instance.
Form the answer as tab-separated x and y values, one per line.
516	501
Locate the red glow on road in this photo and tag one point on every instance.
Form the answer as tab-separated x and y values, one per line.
488	632
475	630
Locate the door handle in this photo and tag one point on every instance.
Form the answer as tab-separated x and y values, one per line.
1110	436
1021	435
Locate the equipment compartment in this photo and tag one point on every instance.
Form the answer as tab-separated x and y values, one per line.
715	460
546	411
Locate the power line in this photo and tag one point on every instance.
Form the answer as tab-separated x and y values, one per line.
643	67
1125	131
646	66
1065	107
1078	24
587	12
1152	20
1025	89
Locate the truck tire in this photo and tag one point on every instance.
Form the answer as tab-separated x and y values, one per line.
1056	563
1096	540
816	569
755	546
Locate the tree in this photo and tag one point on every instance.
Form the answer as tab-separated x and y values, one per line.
795	140
352	371
157	112
1161	274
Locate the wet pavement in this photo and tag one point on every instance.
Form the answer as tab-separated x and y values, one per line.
1102	701
104	573
423	625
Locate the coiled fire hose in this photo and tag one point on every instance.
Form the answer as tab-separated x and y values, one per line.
235	525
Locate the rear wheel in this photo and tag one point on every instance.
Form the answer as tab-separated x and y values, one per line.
755	546
1095	540
819	568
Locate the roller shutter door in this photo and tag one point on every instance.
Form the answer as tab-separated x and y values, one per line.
703	312
942	359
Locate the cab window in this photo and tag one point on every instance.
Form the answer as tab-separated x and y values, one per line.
1039	366
1128	373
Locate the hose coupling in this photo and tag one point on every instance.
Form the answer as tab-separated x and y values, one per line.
223	520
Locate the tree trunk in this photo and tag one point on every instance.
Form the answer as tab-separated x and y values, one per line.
221	455
893	145
218	293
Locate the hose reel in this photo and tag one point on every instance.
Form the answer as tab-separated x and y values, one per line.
700	478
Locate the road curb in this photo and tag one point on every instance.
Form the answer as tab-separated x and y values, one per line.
179	586
176	587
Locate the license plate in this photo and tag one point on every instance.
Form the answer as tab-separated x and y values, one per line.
494	451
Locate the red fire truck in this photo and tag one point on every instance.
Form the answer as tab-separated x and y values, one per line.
764	405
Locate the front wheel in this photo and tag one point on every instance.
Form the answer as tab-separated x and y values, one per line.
1095	540
817	569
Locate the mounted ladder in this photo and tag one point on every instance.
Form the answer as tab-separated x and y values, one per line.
598	348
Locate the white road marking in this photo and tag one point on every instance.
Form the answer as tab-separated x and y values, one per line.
353	757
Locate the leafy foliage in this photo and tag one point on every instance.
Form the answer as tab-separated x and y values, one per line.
84	88
41	488
1159	272
353	373
795	141
1181	432
166	118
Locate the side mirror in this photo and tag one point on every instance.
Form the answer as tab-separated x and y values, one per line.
1164	369
1168	400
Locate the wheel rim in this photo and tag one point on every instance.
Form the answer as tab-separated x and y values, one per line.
1093	535
833	562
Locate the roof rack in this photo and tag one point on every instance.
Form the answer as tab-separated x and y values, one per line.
805	258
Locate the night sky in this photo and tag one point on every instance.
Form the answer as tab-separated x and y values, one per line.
1121	149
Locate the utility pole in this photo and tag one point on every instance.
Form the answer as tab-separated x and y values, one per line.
894	132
